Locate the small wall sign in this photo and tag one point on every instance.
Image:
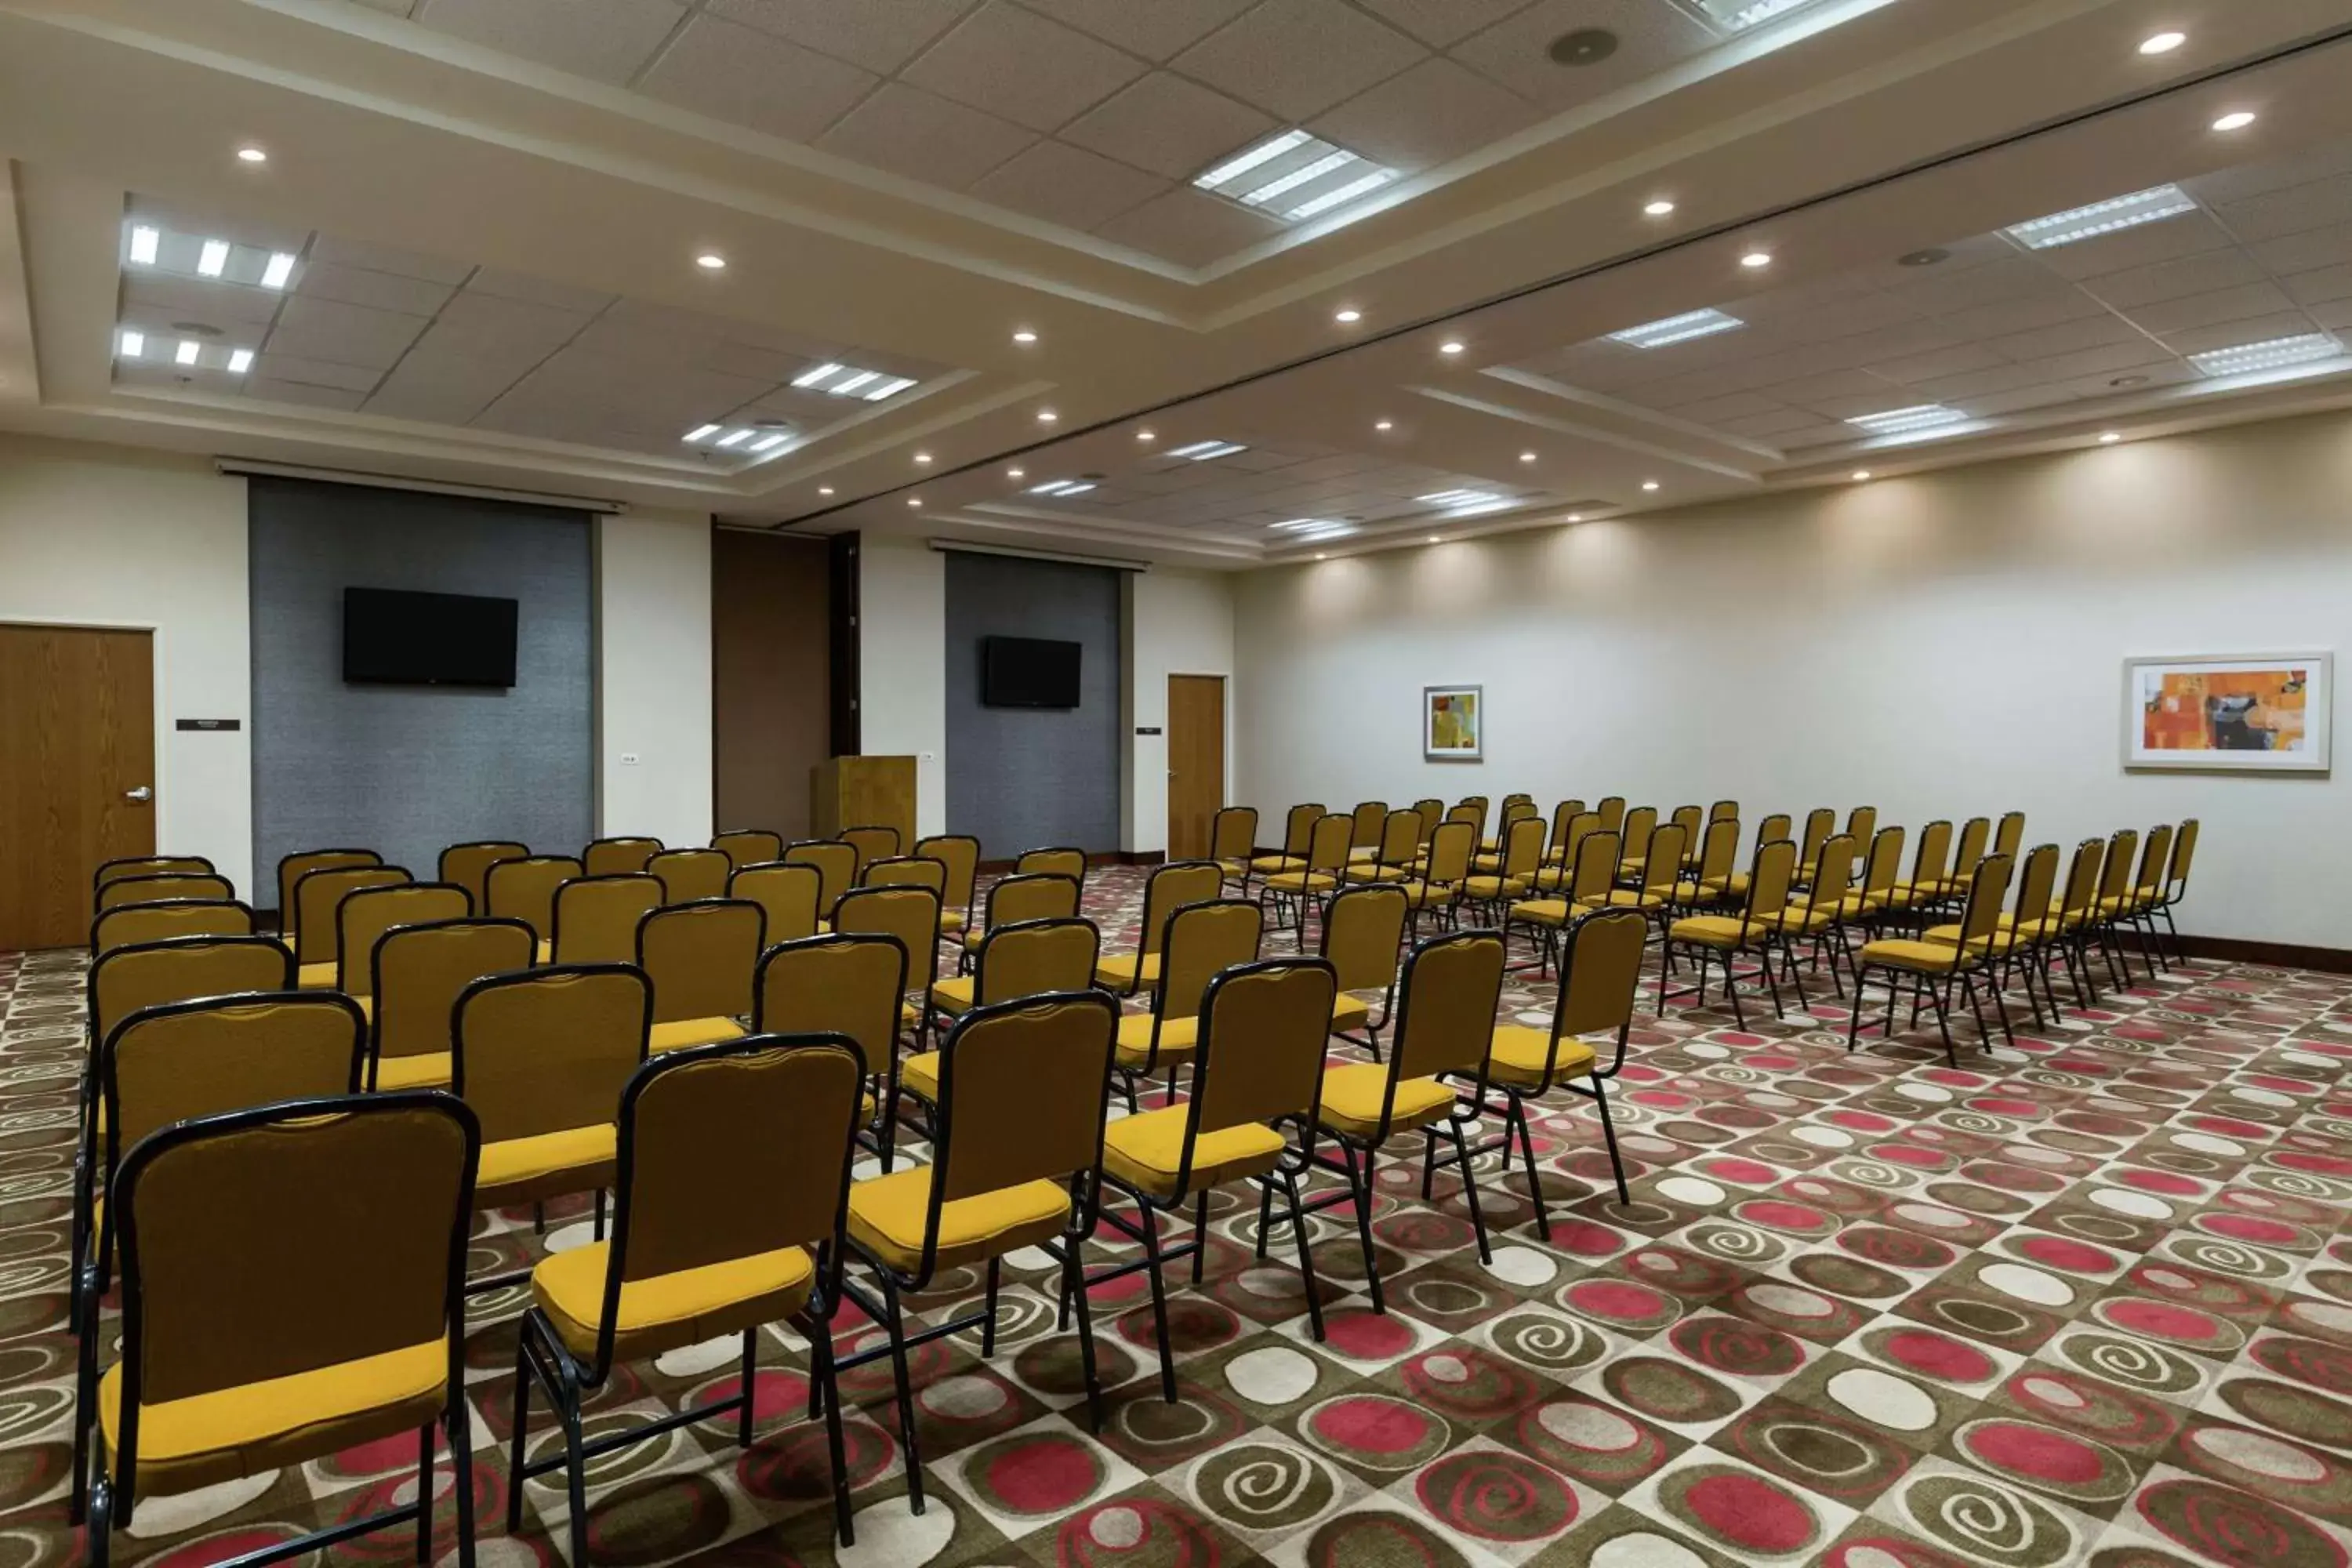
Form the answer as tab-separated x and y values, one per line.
208	724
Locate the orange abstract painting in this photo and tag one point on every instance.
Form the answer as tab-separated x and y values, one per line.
2252	713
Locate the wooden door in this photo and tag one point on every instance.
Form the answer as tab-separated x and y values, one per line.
1196	762
76	773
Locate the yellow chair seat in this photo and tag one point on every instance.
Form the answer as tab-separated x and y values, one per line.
953	995
1517	1057
1919	957
919	1076
427	1069
1949	936
1364	856
1488	887
1541	911
1420	895
1796	920
1372	871
887	1214
1698	893
687	1032
1277	863
1734	886
909	1015
546	951
547	1165
951	921
1143	1152
1348	1011
1233	867
207	1438
1302	881
1635	899
1119	971
1854	906
1724	931
684	1307
315	977
1352	1100
1178	1038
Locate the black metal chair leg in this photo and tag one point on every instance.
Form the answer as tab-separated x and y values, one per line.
897	1313
988	1329
1470	1189
1609	1134
1518	1116
1306	1253
1078	1287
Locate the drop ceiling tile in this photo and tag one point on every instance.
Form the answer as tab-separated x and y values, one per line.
1439	23
393	7
2023	315
881	34
1190	228
2302	252
2335	316
1432	113
378	290
1295	59
503	285
315	372
2112	360
2277	175
919	134
493	325
1718	410
1168	125
1817	391
2321	286
1977	383
2295	210
2067	337
158	296
1651	36
1069	186
2021	401
302	393
1935	291
439	383
1029	70
256	232
2236	334
1156	29
2239	304
2167	373
1766	426
1936	363
2142	286
756	80
385	259
604	39
2190	233
347	334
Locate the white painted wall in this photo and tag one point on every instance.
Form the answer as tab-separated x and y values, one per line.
1177	623
1946	645
95	536
653	676
902	652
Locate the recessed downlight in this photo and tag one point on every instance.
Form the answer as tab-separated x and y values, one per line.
1320	556
1649	484
251	155
922	456
1383	423
1145	435
1861	476
1347	318
2162	43
1016	473
1435	538
1451	346
915	500
1526	457
212	259
824	490
711	261
1659	208
1024	336
2109	437
1047	416
2236	119
1755	260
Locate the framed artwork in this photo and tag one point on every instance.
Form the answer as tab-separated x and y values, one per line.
2247	712
1452	723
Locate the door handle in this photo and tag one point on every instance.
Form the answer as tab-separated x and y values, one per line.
138	792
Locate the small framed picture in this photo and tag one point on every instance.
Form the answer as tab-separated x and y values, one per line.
1452	723
2245	713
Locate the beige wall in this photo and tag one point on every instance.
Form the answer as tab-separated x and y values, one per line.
1946	645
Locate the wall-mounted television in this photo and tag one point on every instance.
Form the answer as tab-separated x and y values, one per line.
396	638
1028	672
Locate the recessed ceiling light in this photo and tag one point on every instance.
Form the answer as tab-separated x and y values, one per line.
1526	457
2102	217
1144	435
2238	120
143	241
1047	416
1576	517
1451	346
1204	451
1660	208
1583	47
1320	556
187	351
1754	258
280	268
2123	381
214	258
2162	43
252	155
1295	174
1649	484
702	433
1384	425
2110	439
711	261
1903	421
1024	336
1934	255
914	500
240	361
1859	474
1677	329
922	456
1016	473
1433	538
824	490
2267	355
133	344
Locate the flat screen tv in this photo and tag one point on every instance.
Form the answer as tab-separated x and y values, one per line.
396	639
1028	672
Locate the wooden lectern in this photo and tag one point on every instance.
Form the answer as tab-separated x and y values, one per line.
859	792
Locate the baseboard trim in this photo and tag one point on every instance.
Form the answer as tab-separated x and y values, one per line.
2279	954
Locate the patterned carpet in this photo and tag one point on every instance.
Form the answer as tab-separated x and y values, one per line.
2086	1302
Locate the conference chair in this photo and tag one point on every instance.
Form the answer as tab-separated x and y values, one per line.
908	871
1652	896
1560	852
1023	1099
468	865
1437	890
1975	835
1026	959
318	929
1363	942
1396	855
290	1290
2015	937
1431	811
2077	908
293	867
1936	970
872	842
620	856
1704	884
525	890
911	914
1723	810
596	918
2009	833
849	987
836	865
1724	937
1586	886
2134	914
1930	868
1258	1067
1633	841
1612	814
2176	883
148	865
1364	832
689	875
1862	824
700	958
1779	825
1516	810
364	914
1452	988
1168	888
1512	873
1472	812
1600	978
748	846
1561	848
1298	832
1304	890
136	923
1200	941
2115	883
417	973
1054	860
542	1055
1634	866
1020	899
1820	822
787	896
1864	908
769	1122
960	854
1815	920
1232	839
157	887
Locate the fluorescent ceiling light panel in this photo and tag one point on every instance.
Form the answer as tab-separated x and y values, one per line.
1903	421
848	381
133	344
1739	14
702	433
1465	502
144	243
1061	488
848	384
815	374
1203	451
280	268
732	439
2103	217
1311	529
2269	355
889	388
770	443
1295	175
214	258
240	361
1677	330
187	351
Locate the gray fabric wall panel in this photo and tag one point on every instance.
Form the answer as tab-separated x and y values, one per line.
1022	778
408	770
